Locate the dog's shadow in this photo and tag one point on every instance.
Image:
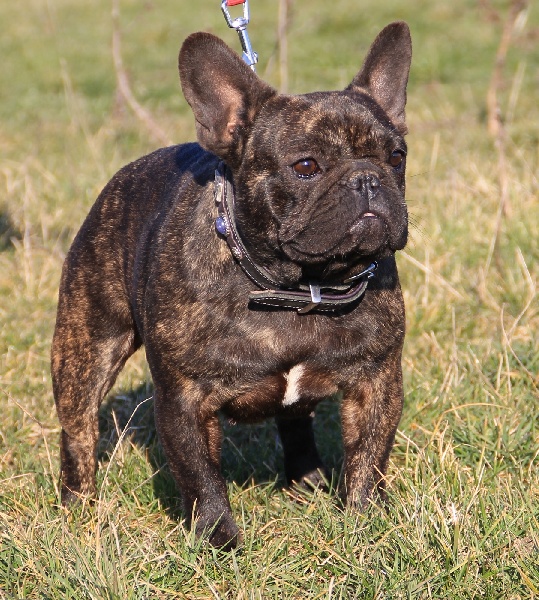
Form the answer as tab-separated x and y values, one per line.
251	454
8	231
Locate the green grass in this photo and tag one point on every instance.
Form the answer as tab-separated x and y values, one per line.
463	513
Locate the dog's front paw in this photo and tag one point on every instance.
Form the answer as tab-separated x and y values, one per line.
360	499
222	533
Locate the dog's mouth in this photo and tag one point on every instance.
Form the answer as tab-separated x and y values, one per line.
368	235
367	219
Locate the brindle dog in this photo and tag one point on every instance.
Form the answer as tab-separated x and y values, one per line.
245	265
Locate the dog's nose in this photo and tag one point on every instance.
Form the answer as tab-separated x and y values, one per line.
367	183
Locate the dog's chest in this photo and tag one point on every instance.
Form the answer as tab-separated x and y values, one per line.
283	343
293	392
287	368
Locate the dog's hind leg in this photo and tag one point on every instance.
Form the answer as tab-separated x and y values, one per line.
302	463
94	336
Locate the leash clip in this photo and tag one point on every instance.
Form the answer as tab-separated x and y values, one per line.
249	56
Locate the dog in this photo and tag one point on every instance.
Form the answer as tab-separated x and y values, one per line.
257	267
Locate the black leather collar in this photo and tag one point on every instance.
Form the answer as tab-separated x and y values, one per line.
305	298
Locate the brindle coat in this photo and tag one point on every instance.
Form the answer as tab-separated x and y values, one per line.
147	267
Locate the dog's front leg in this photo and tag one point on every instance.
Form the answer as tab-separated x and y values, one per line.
191	438
370	414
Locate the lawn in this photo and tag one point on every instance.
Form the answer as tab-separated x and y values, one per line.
462	519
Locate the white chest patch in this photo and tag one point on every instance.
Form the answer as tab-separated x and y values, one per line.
292	392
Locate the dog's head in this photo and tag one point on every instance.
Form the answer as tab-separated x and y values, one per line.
319	177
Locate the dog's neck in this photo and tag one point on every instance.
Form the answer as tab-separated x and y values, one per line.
312	296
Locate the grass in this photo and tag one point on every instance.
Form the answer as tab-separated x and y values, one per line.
462	520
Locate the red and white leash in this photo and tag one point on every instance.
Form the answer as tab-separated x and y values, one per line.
249	56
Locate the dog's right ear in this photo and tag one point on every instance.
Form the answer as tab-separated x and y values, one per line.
223	92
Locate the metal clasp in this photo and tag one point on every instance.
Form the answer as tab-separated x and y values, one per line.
316	299
250	57
368	272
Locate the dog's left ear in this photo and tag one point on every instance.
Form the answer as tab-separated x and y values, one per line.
384	74
223	92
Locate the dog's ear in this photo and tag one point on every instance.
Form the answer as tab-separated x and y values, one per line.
384	74
224	93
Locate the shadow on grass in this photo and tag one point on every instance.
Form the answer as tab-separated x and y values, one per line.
8	231
251	454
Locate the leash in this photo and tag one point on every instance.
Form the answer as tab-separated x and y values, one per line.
240	25
306	297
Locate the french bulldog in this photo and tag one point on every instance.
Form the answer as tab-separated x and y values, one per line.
257	267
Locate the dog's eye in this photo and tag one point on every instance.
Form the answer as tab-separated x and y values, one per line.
396	158
306	167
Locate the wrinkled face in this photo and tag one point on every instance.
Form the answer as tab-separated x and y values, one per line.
324	177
